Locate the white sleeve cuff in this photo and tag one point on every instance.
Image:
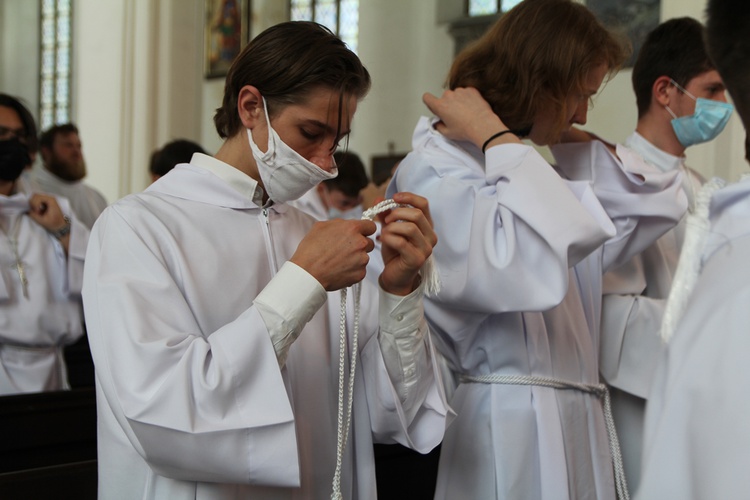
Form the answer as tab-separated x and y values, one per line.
287	303
402	334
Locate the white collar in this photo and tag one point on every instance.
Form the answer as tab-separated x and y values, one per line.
238	180
653	155
15	203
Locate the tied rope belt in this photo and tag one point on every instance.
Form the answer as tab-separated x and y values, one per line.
598	390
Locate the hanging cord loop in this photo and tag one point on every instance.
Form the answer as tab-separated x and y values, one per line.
431	281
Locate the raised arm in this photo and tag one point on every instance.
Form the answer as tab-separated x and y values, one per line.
509	225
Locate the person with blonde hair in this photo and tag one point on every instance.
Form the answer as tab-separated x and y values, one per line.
522	251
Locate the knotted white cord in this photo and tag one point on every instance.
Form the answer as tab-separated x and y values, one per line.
688	267
344	418
599	390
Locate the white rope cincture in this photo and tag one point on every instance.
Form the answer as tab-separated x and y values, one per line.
688	267
598	390
344	418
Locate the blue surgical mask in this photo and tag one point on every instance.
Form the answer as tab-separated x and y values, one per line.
707	122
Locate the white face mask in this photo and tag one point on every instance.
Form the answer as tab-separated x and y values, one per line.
286	175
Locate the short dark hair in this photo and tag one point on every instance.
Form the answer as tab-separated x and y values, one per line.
285	63
676	49
729	47
47	139
177	151
27	119
352	177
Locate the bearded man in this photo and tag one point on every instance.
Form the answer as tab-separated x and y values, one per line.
63	170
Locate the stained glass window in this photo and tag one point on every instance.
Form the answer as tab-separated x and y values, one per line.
54	99
340	16
489	7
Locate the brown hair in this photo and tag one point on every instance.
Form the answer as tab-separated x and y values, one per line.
534	57
285	63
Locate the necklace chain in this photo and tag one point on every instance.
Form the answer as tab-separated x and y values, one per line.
18	264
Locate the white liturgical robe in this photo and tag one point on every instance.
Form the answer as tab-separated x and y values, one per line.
521	256
36	325
187	292
311	204
635	295
87	203
697	432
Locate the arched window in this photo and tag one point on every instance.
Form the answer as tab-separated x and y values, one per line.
56	46
340	16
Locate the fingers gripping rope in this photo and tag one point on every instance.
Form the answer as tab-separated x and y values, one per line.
429	272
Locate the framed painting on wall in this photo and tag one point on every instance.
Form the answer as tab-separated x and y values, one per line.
634	19
227	30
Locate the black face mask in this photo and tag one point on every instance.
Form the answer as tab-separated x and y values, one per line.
14	156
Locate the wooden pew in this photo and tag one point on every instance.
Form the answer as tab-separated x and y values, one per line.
48	445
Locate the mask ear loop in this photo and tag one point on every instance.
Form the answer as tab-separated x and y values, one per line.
684	91
431	280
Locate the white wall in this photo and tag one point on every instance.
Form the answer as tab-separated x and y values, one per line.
407	53
138	84
19	50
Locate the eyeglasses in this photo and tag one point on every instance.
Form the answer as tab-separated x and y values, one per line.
9	133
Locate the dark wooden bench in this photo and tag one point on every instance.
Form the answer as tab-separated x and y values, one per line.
48	445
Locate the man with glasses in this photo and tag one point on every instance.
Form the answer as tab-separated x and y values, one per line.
42	248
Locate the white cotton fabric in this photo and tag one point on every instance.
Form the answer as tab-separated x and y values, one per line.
87	203
34	330
311	204
521	256
635	296
192	402
697	440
